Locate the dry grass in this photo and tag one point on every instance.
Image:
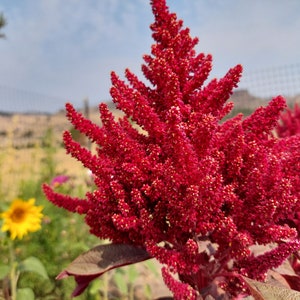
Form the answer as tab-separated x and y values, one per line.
19	165
22	148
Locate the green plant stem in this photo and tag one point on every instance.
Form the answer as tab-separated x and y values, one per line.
131	291
14	275
105	286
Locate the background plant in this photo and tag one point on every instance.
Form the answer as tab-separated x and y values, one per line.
3	23
289	123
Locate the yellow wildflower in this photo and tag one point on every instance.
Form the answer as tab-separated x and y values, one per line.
21	218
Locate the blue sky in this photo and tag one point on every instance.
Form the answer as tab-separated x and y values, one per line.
67	49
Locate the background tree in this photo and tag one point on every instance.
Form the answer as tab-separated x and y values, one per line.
2	24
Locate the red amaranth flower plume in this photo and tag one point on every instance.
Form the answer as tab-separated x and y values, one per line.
288	129
289	123
193	191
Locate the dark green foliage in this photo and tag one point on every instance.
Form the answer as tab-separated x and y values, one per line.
3	22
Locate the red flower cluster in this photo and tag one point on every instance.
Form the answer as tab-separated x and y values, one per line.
289	122
195	192
289	127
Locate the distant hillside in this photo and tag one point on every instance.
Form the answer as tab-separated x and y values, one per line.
243	100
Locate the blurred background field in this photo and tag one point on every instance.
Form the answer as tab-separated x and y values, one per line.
31	153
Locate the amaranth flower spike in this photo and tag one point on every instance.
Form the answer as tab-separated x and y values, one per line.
191	190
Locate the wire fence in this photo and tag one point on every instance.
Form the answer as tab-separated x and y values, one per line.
28	115
269	82
14	100
261	83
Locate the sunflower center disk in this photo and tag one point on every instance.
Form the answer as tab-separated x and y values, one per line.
18	215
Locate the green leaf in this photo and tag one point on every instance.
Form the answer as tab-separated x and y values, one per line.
120	282
25	293
95	287
148	291
132	273
152	267
33	264
265	291
4	270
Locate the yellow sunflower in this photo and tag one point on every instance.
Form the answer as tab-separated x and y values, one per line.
21	218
